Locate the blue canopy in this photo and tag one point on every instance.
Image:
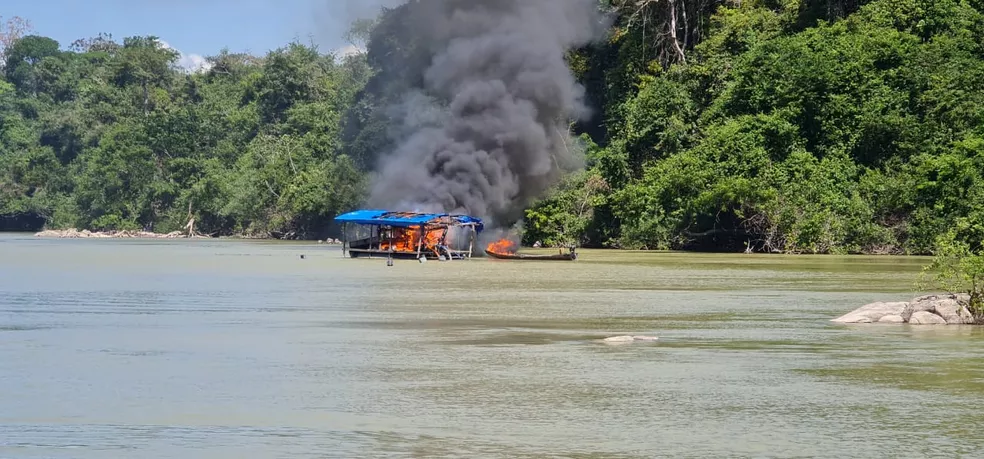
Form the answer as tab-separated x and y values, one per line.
402	219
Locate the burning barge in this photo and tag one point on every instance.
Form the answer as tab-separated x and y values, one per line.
410	235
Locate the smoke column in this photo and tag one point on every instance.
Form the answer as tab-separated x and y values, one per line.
488	132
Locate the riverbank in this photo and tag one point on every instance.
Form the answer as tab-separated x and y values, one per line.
73	233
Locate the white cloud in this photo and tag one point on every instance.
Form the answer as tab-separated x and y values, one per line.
194	63
189	62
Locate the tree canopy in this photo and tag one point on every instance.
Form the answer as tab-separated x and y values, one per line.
114	135
792	126
800	126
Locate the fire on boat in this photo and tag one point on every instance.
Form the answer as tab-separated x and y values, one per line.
382	233
505	249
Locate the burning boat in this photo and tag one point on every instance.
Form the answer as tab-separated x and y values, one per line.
368	233
505	249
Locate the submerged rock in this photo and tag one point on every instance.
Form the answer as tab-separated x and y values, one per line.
945	309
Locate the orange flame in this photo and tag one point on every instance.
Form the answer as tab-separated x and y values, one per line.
502	246
409	239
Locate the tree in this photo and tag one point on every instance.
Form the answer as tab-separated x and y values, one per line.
11	31
145	62
959	268
102	43
23	59
798	126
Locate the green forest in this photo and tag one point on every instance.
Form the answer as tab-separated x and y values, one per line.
789	126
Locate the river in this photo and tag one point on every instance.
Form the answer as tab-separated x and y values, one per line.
229	349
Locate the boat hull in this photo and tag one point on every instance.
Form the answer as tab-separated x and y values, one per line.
517	256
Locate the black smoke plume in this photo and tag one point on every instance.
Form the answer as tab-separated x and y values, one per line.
486	131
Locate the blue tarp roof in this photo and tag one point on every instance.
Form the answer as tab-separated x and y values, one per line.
400	219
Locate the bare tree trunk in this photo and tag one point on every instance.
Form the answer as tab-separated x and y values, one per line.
686	27
146	100
190	226
673	31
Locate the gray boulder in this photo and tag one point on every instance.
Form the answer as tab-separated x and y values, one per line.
926	318
873	312
953	312
891	319
920	304
924	310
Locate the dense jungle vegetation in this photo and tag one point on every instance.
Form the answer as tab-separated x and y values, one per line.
799	126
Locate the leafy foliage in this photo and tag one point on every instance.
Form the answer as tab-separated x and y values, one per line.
816	126
114	136
958	267
799	126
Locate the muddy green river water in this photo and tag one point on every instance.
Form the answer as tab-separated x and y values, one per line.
235	349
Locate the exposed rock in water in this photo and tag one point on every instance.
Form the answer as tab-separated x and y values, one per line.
926	303
628	339
891	319
926	318
924	310
73	233
953	312
872	313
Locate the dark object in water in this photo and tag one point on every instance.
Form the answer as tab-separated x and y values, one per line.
571	256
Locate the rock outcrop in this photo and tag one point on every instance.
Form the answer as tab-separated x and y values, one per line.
924	310
628	339
873	312
926	318
891	319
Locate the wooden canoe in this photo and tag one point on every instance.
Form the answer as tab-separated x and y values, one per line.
520	256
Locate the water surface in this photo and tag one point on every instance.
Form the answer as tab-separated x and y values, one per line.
228	349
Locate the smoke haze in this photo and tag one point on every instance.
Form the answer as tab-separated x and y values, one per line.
330	19
488	131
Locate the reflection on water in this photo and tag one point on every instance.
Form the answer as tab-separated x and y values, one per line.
220	349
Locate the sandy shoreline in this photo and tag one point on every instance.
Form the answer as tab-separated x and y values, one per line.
73	233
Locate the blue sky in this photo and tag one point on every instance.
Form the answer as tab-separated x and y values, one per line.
197	27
